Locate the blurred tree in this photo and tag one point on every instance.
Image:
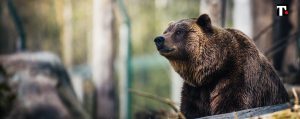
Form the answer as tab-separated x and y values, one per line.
290	64
262	11
102	59
8	34
215	9
21	40
125	63
242	17
67	33
281	31
289	53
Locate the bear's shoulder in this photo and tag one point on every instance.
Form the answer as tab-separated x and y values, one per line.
244	41
238	34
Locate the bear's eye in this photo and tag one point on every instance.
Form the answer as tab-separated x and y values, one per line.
178	32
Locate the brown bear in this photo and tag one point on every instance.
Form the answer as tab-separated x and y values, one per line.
223	70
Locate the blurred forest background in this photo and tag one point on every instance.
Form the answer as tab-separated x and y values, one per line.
107	46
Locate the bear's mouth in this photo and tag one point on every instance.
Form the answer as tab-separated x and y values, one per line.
166	50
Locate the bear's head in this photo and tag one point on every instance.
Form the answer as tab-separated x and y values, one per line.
195	48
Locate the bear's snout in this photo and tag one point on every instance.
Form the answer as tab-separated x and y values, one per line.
159	42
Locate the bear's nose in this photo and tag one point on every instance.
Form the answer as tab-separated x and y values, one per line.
159	41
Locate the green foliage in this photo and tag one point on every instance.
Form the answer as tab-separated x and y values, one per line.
154	80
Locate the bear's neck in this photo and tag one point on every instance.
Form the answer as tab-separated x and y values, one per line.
197	77
186	70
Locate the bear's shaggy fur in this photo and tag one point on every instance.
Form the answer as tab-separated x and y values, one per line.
223	70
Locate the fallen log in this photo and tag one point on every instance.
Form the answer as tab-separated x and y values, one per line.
40	86
248	113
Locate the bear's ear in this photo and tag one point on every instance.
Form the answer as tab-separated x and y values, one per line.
205	23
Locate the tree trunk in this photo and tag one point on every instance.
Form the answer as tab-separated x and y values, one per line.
262	11
66	35
290	63
242	17
281	30
102	59
8	34
177	82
